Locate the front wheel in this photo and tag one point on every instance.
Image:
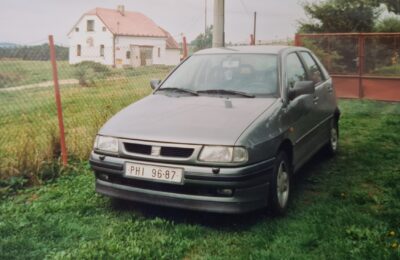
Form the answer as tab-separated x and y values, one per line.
280	185
333	144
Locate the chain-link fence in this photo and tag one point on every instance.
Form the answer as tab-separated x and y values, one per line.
91	92
363	65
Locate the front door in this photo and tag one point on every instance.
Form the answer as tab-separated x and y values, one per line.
135	56
323	97
146	55
301	113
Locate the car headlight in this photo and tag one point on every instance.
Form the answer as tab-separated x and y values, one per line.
223	154
106	144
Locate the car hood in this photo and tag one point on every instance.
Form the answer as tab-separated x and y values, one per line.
186	119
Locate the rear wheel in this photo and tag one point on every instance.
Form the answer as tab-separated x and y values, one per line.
280	185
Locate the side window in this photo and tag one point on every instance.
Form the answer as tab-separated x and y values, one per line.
315	72
294	70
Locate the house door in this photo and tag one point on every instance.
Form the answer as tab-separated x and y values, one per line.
135	56
146	55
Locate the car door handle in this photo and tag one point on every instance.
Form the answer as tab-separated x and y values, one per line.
330	89
316	100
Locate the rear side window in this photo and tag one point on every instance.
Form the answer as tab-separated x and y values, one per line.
315	71
294	70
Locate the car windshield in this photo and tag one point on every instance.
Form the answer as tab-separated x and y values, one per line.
254	74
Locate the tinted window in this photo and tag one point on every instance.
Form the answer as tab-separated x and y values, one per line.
313	68
294	70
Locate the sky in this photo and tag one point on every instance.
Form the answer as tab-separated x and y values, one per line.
29	22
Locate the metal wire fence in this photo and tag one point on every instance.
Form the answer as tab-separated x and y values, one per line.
90	91
363	65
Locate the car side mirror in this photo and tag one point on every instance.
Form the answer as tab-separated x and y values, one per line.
154	83
301	88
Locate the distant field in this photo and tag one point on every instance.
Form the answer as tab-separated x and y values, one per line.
28	119
15	73
18	72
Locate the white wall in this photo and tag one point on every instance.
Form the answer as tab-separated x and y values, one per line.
99	37
123	43
172	57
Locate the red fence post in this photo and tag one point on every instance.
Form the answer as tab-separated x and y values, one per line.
361	60
64	155
185	50
252	42
297	41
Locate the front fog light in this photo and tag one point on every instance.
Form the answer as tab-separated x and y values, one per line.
225	192
106	144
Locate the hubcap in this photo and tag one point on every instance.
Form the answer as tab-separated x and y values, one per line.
282	185
334	139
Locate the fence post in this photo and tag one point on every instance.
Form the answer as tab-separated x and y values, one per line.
252	42
361	60
58	101
297	40
184	45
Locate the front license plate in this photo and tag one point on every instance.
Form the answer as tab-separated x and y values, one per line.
152	172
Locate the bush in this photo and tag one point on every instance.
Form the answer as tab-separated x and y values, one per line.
88	72
393	70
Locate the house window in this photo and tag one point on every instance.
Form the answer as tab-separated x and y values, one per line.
78	50
76	29
159	52
128	55
104	29
90	25
102	50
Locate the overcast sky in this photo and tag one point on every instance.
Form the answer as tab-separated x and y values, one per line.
30	21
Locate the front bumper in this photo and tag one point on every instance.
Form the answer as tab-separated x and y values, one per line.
200	189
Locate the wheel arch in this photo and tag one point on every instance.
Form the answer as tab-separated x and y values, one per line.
287	146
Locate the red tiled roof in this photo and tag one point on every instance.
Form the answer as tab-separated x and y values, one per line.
130	24
171	43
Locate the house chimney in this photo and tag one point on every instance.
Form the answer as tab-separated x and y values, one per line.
121	9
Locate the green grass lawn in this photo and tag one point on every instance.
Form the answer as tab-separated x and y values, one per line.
347	207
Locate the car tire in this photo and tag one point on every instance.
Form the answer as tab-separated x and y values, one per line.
333	142
280	185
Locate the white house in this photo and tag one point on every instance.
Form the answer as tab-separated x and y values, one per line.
121	38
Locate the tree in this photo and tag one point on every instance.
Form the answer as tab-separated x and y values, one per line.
203	41
392	5
340	16
389	24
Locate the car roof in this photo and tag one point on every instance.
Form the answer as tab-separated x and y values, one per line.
259	49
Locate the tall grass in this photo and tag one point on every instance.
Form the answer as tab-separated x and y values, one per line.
29	136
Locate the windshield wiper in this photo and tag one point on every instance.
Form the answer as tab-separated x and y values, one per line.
194	93
225	91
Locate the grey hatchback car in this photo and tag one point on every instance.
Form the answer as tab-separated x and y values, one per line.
224	132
